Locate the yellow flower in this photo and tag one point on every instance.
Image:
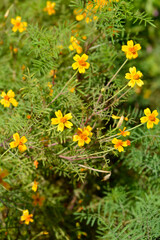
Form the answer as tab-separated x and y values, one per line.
50	8
8	98
35	186
75	45
3	174
131	50
119	144
150	118
38	200
19	142
83	136
123	132
134	77
18	25
26	217
62	121
80	63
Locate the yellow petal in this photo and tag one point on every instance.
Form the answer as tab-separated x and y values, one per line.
23	139
18	18
3	94
59	114
68	116
75	65
75	138
84	57
14	102
128	76
131	83
137	47
143	119
115	140
87	140
139	82
10	94
124	48
16	138
54	121
13	21
60	127
132	70
155	113
130	43
149	124
156	121
81	143
81	69
147	112
13	144
120	149
77	58
68	124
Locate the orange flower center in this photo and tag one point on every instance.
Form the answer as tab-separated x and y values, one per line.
136	77
17	24
132	50
83	136
6	98
63	120
119	143
152	118
82	63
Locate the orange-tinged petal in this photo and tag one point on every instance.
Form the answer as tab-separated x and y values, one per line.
87	140
13	21
87	65
120	149
23	139
76	138
22	148
13	144
68	124
81	143
68	116
5	103
124	48
135	55
84	57
131	83
140	74
81	69
59	114
147	111
60	127
149	124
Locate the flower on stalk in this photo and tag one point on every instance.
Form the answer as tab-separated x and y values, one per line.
134	77
150	118
131	50
19	142
35	186
50	8
80	63
8	98
26	217
62	121
83	136
18	25
118	117
38	200
123	132
3	174
119	144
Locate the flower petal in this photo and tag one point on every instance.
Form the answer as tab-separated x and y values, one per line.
77	58
84	57
60	127
59	114
149	124
16	138
54	121
68	116
23	139
68	124
147	111
22	148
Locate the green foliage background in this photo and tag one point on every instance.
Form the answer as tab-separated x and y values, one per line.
79	204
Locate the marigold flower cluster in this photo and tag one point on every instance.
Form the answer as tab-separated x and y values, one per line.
18	25
50	8
75	45
8	98
118	143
